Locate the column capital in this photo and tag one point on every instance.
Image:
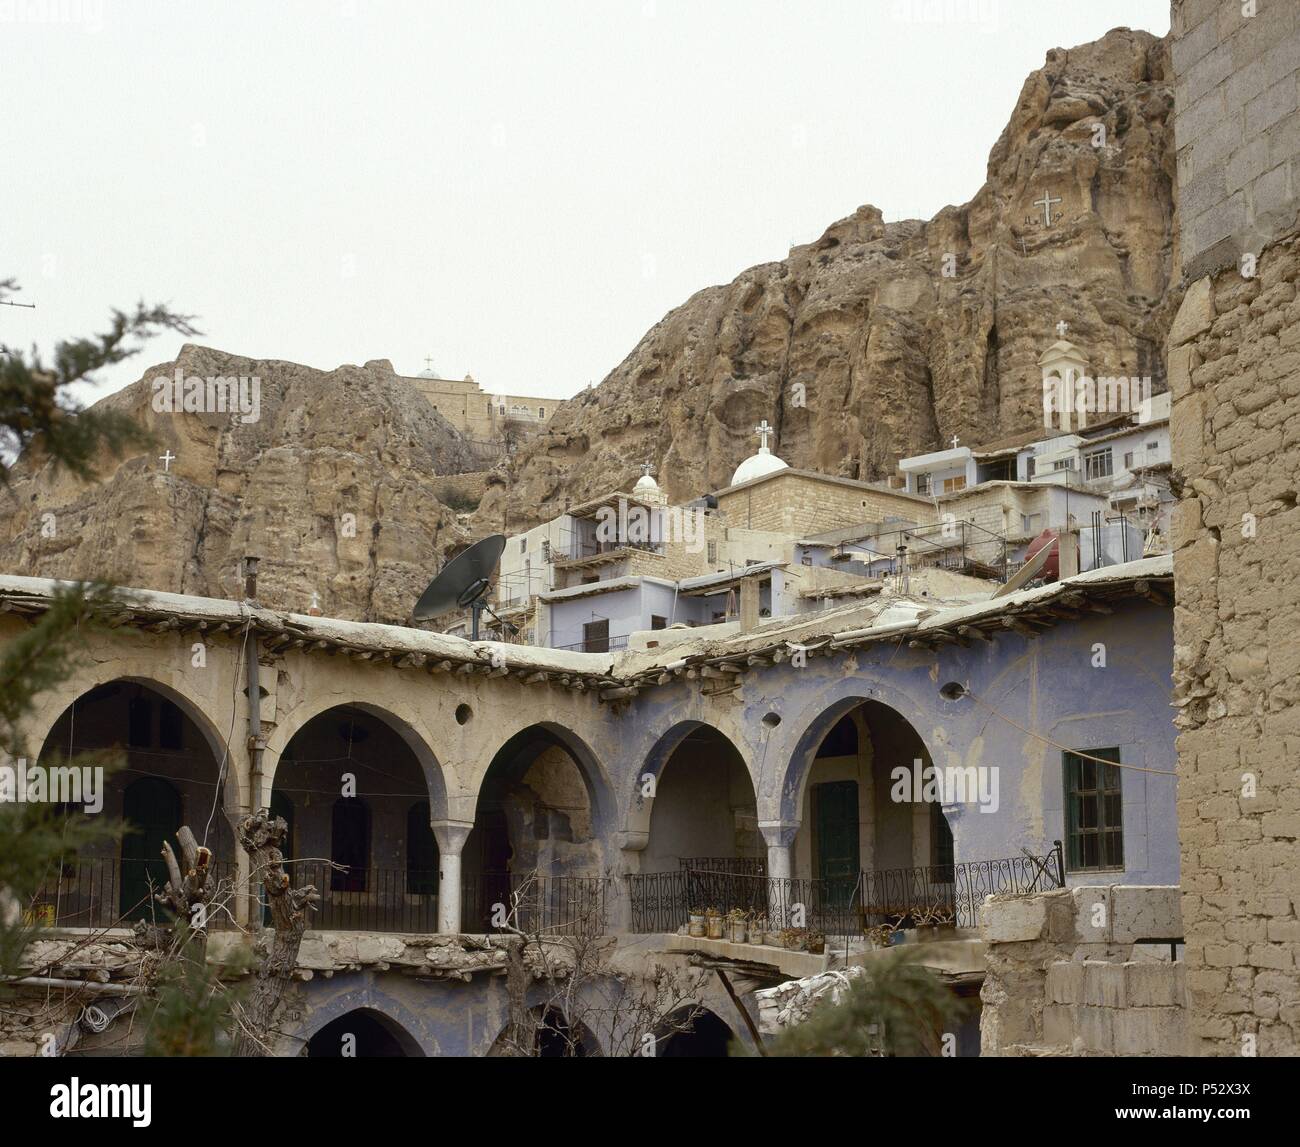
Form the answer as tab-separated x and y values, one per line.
779	833
451	834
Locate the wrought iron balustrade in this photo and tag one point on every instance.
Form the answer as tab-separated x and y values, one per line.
110	892
893	898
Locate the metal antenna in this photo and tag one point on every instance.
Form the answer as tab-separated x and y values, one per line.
26	306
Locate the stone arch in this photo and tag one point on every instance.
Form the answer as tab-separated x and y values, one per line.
556	1037
784	801
664	842
410	730
595	776
542	805
389	1016
81	684
174	771
710	1036
641	804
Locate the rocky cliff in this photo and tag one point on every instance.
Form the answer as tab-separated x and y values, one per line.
877	341
333	486
882	340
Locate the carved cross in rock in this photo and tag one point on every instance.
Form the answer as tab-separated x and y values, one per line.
1046	204
762	430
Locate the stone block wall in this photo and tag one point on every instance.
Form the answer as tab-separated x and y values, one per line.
1078	971
1236	125
1235	378
803	504
1234	374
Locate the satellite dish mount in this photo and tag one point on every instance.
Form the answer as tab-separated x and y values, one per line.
464	584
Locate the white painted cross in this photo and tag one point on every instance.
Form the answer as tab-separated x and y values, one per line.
646	467
954	441
1046	204
763	430
167	460
1062	327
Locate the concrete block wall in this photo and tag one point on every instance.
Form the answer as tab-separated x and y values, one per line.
1236	127
1066	973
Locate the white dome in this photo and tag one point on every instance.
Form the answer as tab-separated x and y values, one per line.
426	374
757	465
645	485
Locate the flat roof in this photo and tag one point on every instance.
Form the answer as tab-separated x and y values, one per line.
932	624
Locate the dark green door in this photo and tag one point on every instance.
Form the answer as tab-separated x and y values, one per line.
152	809
835	813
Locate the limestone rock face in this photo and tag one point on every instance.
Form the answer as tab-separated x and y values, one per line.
332	486
882	340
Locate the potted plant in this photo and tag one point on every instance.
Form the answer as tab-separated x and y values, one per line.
736	925
713	923
695	922
757	928
815	942
793	938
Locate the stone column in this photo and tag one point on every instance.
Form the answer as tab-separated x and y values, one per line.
779	836
451	836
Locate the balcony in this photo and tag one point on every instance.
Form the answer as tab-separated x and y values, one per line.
105	892
848	908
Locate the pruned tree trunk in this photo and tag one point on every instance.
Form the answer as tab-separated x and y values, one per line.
188	893
260	836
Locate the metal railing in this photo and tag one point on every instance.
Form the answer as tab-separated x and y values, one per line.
584	547
962	547
559	905
105	892
108	892
893	898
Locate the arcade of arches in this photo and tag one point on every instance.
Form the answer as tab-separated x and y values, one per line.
362	811
361	822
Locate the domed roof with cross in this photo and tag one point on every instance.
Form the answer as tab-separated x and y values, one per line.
760	464
646	482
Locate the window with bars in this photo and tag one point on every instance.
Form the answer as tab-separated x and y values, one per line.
923	485
1098	464
1094	811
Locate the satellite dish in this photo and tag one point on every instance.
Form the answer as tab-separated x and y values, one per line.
463	582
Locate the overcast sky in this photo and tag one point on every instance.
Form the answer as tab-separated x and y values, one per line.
517	190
